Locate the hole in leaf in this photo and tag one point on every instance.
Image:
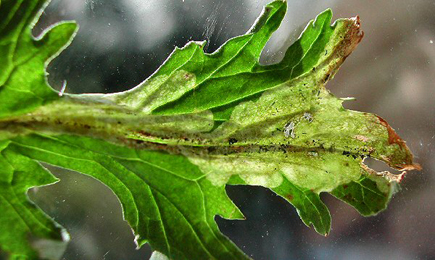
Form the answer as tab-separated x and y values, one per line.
380	166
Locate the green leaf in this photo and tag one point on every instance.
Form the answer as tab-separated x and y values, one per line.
23	85
190	79
168	147
308	204
26	232
167	200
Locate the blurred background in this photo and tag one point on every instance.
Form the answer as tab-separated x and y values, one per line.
392	73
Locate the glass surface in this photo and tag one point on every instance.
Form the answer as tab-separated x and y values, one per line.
392	73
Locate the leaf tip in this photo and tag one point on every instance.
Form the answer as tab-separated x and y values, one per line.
325	16
271	17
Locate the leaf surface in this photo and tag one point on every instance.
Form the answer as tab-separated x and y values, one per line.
168	147
25	230
23	85
166	200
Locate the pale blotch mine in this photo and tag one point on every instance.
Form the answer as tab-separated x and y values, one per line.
156	91
253	172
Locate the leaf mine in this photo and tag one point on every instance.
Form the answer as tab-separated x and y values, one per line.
168	147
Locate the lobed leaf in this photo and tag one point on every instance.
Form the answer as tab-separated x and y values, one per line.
168	147
26	232
23	85
167	201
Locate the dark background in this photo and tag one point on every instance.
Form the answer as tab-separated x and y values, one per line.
392	73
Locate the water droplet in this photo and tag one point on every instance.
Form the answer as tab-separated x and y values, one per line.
431	41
